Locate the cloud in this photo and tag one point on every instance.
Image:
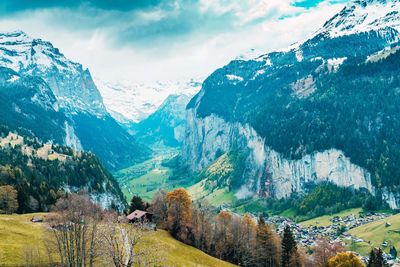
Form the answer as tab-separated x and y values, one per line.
120	5
158	40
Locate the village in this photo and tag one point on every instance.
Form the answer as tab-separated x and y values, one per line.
336	231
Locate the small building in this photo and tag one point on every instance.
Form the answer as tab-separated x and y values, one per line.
140	216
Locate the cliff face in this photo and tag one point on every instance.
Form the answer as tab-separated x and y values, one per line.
326	109
267	172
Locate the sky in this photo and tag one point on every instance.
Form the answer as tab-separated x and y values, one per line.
165	40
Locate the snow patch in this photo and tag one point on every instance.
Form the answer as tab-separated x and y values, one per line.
233	77
334	63
304	87
299	55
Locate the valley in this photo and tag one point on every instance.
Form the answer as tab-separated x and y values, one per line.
146	178
286	158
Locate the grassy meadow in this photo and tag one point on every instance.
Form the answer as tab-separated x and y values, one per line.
20	237
376	233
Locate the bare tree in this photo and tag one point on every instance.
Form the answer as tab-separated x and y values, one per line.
120	242
75	230
324	250
159	208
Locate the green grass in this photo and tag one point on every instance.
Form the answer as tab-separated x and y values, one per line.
325	220
216	197
179	254
146	178
17	234
290	213
146	185
377	233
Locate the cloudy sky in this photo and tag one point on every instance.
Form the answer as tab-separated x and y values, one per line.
148	40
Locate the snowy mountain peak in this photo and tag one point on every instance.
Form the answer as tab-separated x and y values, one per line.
128	101
20	52
362	16
29	56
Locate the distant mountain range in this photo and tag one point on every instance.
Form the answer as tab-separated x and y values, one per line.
166	126
55	99
327	109
131	102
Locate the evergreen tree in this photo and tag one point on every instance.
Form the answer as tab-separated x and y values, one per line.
393	252
136	204
289	249
267	252
376	258
372	258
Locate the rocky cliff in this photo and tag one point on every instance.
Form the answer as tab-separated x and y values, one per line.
322	110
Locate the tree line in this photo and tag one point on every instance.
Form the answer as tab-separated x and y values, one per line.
243	240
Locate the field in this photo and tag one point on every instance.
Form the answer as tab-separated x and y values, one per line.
376	233
178	254
146	178
218	197
20	237
325	220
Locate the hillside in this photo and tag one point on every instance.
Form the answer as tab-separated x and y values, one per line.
43	172
166	126
19	235
376	233
326	109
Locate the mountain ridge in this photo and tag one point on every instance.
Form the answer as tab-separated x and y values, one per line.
62	95
306	114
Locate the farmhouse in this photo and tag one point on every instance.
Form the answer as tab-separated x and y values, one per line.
140	216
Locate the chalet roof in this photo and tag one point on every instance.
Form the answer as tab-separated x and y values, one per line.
137	214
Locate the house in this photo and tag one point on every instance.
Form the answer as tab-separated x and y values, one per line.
139	216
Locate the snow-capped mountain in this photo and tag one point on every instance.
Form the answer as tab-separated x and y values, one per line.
326	109
132	102
71	84
363	16
55	99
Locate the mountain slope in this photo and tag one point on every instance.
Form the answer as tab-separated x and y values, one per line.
42	173
321	110
41	85
165	126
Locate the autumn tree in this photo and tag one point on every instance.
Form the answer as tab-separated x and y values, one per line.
179	213
267	250
289	257
223	237
202	228
345	259
8	199
324	250
244	231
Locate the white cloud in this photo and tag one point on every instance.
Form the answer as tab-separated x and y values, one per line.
194	55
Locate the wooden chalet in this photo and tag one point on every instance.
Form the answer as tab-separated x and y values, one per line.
140	216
